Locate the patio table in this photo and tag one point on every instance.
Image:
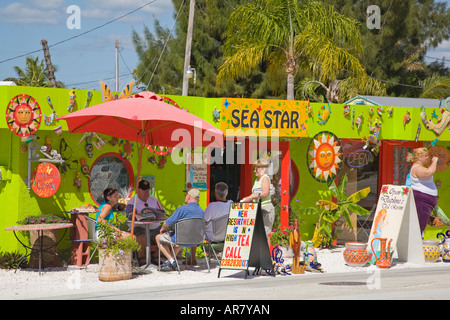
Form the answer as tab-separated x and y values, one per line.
39	228
146	224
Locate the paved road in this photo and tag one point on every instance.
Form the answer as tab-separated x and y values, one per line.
410	284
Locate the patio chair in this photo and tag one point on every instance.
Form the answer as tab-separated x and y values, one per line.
189	232
219	227
92	235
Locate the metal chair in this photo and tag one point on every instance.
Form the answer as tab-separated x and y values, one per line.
92	235
219	227
189	232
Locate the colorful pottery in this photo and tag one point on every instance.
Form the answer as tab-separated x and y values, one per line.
446	250
355	254
384	261
431	250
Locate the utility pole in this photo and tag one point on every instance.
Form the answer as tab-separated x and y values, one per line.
117	65
48	63
187	55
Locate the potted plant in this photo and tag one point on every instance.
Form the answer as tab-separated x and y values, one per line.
280	239
114	254
49	239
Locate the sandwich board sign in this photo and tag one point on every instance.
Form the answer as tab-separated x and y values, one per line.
245	241
396	219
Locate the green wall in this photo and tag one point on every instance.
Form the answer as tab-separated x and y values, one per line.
17	201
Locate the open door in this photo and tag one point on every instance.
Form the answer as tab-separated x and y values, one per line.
279	172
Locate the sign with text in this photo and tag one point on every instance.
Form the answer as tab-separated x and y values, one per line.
396	219
239	236
45	180
248	117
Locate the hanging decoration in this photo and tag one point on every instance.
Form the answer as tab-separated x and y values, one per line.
390	111
442	122
85	168
353	118
160	162
346	110
88	147
373	139
23	115
77	181
72	101
108	96
66	152
45	180
418	132
48	120
309	110
324	114
127	151
406	118
359	120
216	115
88	99
324	156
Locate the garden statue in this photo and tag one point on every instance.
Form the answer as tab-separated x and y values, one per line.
310	255
295	244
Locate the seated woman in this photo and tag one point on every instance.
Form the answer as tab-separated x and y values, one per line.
106	211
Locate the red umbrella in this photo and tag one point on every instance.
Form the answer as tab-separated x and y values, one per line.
145	118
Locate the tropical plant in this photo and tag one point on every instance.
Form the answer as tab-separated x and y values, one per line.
10	260
34	75
292	35
111	243
330	211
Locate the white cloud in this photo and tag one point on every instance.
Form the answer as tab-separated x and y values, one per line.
27	13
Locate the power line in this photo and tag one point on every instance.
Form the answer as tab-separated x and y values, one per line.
81	34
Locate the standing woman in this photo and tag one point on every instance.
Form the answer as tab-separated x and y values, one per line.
424	189
261	188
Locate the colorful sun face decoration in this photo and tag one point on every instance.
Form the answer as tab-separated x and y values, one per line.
23	115
324	156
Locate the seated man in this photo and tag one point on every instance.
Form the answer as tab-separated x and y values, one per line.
145	203
217	209
190	210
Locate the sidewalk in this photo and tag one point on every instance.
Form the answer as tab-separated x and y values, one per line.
28	284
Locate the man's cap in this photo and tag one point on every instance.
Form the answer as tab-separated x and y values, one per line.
194	193
144	185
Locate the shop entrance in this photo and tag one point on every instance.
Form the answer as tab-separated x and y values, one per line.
236	169
226	171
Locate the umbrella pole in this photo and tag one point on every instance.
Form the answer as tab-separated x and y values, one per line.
136	185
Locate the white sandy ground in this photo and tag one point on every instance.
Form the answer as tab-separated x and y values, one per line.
28	284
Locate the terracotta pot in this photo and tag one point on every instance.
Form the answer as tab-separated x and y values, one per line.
49	258
431	250
114	267
355	254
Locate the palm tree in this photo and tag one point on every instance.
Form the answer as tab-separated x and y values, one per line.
294	35
34	75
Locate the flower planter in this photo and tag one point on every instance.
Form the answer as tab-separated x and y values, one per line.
114	267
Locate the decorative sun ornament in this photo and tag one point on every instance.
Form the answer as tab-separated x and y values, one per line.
23	115
324	156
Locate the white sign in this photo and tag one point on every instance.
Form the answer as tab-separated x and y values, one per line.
396	219
239	236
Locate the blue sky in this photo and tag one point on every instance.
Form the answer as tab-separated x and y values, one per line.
85	60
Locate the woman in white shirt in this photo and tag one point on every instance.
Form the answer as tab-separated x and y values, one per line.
422	184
